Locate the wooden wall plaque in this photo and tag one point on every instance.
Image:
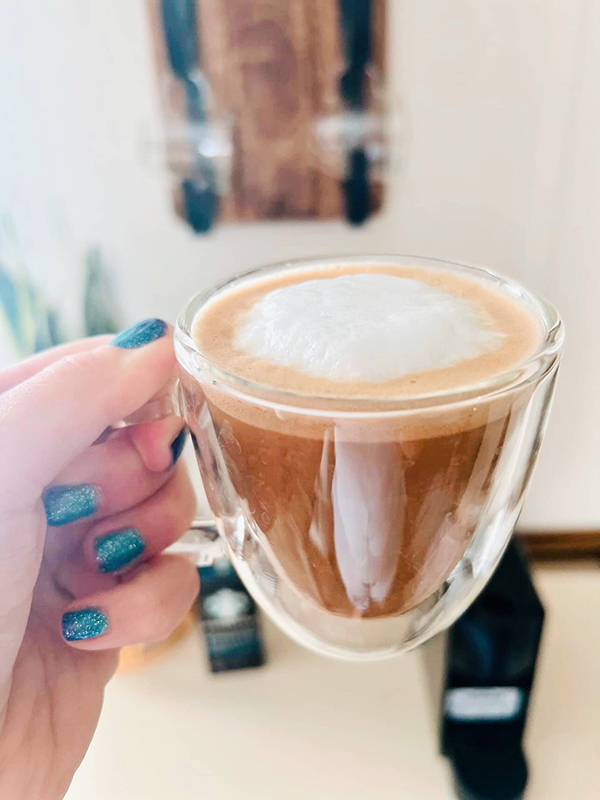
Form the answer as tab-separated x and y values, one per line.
274	68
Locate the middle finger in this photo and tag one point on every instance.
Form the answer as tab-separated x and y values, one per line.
104	480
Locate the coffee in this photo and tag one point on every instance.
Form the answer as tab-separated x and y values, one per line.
366	511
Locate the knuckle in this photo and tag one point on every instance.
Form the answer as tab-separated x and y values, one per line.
81	362
169	602
163	620
164	596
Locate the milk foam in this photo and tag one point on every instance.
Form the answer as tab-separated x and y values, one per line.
369	327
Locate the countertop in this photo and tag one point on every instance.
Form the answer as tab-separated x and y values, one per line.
304	726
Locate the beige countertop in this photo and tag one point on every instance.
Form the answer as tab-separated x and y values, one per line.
304	726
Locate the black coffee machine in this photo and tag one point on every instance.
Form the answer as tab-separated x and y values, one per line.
482	672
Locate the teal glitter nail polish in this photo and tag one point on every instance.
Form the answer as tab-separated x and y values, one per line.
117	549
68	503
140	334
85	623
177	446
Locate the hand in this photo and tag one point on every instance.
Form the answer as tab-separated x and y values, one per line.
82	526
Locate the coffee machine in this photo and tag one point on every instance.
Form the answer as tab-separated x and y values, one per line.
481	674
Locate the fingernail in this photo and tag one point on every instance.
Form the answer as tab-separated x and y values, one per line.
177	446
66	504
140	334
85	623
115	550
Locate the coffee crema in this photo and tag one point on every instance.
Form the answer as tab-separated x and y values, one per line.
498	332
366	515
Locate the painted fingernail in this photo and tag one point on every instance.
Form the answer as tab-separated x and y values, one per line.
117	549
85	623
177	446
68	503
140	334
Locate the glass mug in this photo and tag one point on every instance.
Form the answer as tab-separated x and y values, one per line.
362	527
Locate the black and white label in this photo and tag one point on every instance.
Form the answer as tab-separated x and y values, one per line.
482	704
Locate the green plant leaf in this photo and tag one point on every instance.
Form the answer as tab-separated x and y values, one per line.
54	329
9	298
33	324
100	314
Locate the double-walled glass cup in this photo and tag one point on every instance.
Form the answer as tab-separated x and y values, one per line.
364	527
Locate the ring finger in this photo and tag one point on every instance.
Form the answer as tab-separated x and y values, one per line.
140	533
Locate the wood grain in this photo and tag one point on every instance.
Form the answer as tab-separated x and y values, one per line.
561	545
274	69
260	74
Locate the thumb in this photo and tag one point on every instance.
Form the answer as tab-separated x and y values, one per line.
50	418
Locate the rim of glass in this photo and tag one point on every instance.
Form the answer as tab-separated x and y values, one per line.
538	364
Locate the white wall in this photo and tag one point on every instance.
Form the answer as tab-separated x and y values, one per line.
567	481
499	109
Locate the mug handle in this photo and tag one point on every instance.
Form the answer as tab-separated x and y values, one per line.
165	403
202	542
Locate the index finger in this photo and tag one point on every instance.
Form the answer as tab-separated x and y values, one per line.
52	417
13	375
